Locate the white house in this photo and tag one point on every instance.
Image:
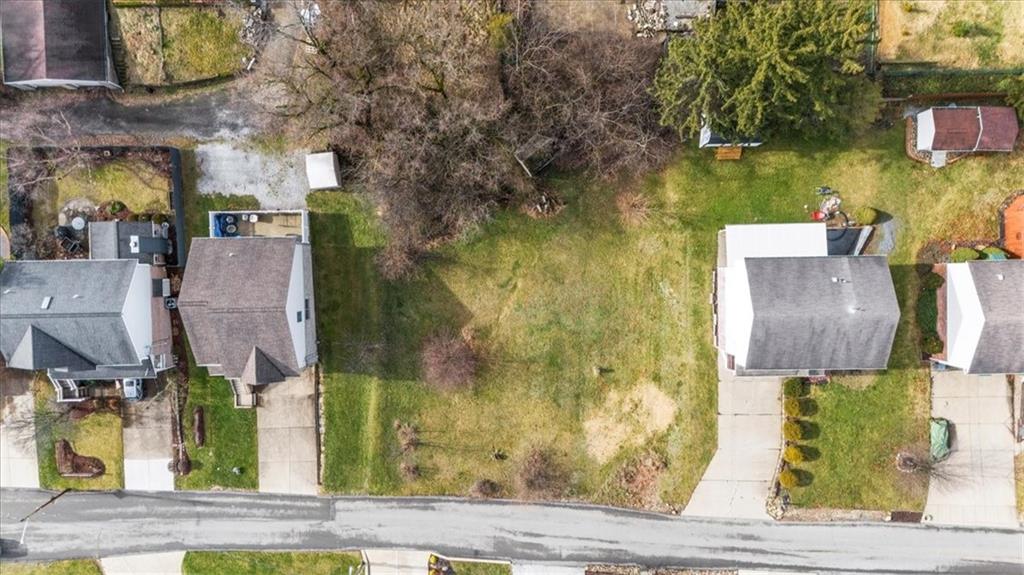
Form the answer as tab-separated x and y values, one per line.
982	310
784	306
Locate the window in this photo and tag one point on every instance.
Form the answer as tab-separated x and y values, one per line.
298	316
307	308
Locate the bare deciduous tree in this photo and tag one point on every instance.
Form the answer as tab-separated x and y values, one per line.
448	361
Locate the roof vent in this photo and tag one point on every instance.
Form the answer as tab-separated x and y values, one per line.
999	277
76	296
46	302
231	254
8	290
839	280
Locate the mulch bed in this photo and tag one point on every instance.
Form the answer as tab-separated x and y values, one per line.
71	464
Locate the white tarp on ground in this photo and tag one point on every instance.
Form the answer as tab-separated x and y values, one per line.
975	485
738	479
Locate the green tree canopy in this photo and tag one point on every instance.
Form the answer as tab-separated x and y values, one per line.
769	67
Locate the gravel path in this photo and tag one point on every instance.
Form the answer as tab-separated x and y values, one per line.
277	180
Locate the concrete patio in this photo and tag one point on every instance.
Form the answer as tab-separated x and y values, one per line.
286	423
975	486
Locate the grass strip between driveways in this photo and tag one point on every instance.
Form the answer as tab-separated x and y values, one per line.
271	563
72	567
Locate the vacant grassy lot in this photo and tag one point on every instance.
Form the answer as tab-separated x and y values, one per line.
593	335
270	563
95	435
954	33
143	46
74	567
230	436
201	43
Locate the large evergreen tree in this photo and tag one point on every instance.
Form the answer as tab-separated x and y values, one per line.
768	67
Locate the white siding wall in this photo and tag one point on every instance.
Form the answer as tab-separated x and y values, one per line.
296	305
964	316
137	312
925	130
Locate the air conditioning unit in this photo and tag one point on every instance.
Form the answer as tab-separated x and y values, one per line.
171	302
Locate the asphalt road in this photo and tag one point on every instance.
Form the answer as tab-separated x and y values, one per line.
103	524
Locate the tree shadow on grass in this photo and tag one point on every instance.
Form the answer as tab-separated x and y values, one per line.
365	324
803	477
810	453
811	430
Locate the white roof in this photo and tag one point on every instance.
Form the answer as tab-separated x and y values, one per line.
774	240
759	241
322	170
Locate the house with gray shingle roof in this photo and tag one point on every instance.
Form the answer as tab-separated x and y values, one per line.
84	320
56	43
247	305
981	316
784	306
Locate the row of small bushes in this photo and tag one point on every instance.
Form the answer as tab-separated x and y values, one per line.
795	405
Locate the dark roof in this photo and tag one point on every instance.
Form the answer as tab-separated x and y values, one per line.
832	313
958	129
81	327
55	39
233	302
1000	286
112	240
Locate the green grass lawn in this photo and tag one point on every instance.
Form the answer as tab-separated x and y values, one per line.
139	185
270	563
476	568
73	567
230	436
201	43
95	435
549	301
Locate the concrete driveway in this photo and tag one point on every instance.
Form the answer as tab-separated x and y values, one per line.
975	486
19	466
738	479
148	440
286	424
145	564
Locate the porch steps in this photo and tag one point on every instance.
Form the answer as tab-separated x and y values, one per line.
244	396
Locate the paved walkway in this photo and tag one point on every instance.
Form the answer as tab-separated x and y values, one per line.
19	465
146	564
975	486
737	481
148	442
286	423
396	562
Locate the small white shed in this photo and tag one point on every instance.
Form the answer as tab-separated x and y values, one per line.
322	170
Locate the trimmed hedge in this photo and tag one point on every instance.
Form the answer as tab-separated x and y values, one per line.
865	216
788	479
794	387
792	431
963	254
793	454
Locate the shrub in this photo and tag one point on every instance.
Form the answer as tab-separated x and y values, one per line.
788	479
963	29
792	407
117	207
540	476
159	218
932	281
448	361
634	208
964	254
396	261
794	387
931	344
792	431
793	454
484	489
993	252
865	216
